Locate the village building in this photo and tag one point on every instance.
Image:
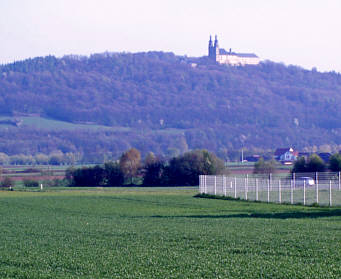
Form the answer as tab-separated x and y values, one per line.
286	155
222	56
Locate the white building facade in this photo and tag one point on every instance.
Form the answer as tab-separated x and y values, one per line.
222	56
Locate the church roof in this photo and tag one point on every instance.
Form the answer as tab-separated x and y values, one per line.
247	55
224	52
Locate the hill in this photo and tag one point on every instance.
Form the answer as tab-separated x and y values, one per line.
164	103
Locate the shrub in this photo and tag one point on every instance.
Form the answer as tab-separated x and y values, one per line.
264	166
6	183
313	164
30	183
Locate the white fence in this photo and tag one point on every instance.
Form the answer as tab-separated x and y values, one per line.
297	188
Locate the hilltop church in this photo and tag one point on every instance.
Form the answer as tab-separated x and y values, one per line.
221	56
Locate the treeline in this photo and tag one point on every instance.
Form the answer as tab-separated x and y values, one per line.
312	163
129	170
55	158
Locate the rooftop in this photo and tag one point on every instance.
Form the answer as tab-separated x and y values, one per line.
224	52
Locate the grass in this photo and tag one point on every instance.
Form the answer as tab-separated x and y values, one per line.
46	123
52	124
162	233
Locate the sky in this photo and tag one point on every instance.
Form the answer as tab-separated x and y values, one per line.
298	32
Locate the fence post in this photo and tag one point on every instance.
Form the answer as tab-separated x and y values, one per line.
205	181
339	182
200	182
245	194
317	178
279	191
256	189
245	187
317	193
215	185
235	187
291	191
270	178
304	192
231	186
224	182
330	193
294	179
268	190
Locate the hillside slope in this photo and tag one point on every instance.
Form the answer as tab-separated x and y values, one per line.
210	106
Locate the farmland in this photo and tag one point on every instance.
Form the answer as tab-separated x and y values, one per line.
162	233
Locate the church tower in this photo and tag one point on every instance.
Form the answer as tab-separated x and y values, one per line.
210	49
213	50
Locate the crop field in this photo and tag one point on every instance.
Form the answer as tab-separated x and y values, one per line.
162	233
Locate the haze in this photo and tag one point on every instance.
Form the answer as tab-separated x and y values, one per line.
304	33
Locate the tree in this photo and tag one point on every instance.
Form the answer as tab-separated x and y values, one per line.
41	159
264	166
299	165
130	163
4	159
185	169
150	158
6	183
113	174
335	162
56	158
86	176
313	164
155	174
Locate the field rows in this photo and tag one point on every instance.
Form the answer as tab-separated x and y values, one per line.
162	233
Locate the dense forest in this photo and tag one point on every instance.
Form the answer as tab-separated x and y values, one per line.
170	104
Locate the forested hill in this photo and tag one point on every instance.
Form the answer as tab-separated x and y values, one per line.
211	106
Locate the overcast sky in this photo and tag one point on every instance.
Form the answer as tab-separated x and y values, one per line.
300	32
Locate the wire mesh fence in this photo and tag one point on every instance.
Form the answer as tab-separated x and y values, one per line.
296	188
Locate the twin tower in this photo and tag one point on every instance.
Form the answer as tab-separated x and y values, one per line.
222	56
213	49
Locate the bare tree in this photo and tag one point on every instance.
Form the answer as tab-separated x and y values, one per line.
130	163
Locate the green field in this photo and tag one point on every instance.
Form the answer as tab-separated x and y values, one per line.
37	122
163	233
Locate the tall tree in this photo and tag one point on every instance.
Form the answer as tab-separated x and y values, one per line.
313	164
130	164
185	169
264	166
113	174
335	162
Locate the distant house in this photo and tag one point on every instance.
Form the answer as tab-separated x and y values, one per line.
286	155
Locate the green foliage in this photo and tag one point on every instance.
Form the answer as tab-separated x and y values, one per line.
335	162
163	233
313	164
30	183
156	174
87	176
6	183
113	174
185	169
264	166
109	175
